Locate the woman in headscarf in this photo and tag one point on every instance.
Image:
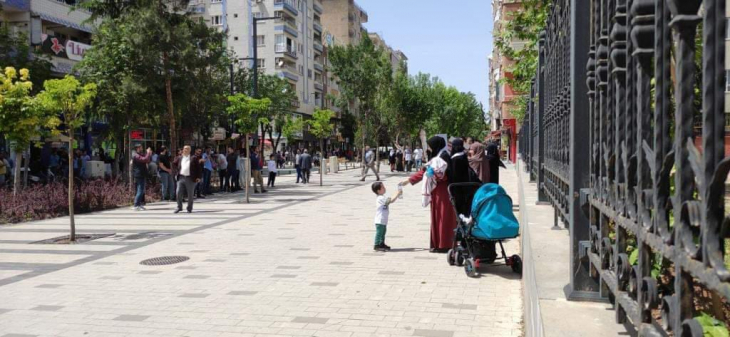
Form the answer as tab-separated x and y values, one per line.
443	218
479	162
460	170
494	163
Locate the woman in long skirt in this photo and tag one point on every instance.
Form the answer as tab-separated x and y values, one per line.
443	218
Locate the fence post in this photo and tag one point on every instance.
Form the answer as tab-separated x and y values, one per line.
540	121
582	286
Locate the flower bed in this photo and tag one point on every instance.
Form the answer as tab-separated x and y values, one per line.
51	200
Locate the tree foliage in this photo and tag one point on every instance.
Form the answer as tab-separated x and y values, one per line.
21	119
16	52
524	25
70	99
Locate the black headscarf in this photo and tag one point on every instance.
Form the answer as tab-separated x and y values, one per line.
435	144
494	162
457	145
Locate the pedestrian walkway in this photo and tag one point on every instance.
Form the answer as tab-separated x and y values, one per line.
296	261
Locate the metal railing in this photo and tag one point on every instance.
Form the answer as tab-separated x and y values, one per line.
626	123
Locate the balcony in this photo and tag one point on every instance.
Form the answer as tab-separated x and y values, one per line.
289	76
15	5
295	103
317	27
196	9
317	8
283	5
287	50
318	46
318	86
318	66
287	29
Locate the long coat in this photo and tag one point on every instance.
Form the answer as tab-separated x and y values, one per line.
443	218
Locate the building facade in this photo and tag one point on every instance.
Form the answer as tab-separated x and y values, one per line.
397	57
501	95
54	26
344	19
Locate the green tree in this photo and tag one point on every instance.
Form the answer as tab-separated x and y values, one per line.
321	127
292	126
69	98
246	112
364	75
20	119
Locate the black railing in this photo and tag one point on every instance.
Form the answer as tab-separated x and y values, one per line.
643	157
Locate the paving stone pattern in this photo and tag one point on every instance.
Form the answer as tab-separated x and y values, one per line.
243	281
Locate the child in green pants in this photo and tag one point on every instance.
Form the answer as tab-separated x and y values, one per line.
381	215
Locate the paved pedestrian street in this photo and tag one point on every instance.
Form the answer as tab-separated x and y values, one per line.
297	261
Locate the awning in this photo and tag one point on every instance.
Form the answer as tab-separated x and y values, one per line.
65	22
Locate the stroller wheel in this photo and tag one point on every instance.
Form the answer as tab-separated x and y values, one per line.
470	268
451	257
459	258
516	264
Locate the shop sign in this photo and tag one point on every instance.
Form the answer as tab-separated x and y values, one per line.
136	134
60	47
218	134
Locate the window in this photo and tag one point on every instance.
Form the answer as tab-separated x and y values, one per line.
261	63
309	73
260	40
727	80
216	1
280	43
727	33
301	70
235	38
216	20
235	15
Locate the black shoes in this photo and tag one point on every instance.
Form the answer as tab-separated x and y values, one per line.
381	247
177	211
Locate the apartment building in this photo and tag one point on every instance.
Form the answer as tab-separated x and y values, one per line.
397	57
344	19
502	94
53	25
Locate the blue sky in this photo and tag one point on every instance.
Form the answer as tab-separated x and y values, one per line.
446	38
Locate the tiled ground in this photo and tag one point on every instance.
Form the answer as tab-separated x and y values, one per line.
296	261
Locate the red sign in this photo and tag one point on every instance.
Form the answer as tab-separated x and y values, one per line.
136	134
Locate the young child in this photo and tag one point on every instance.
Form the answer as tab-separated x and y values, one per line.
271	165
381	214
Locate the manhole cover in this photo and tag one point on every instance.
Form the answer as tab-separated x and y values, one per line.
164	260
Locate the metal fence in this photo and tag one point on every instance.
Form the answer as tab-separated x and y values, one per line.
626	139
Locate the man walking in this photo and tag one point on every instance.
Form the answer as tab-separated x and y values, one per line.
190	170
166	176
296	165
305	164
408	158
139	172
256	172
369	164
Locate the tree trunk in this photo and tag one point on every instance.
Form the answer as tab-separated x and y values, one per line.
322	166
72	236
16	173
247	167
117	156
170	108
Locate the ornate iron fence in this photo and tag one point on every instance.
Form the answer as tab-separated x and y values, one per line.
655	167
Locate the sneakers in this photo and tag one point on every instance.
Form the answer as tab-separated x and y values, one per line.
136	208
381	248
142	208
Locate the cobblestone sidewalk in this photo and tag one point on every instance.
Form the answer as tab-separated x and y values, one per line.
296	262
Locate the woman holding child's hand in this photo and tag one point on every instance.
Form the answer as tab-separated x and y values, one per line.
436	175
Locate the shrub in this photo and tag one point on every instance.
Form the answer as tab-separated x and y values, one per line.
51	200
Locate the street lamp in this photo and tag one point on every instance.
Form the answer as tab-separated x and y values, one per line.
256	53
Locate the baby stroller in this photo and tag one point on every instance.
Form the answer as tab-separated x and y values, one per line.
484	219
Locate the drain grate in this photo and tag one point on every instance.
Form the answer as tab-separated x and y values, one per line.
164	260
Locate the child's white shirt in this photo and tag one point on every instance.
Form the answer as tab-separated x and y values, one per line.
381	210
